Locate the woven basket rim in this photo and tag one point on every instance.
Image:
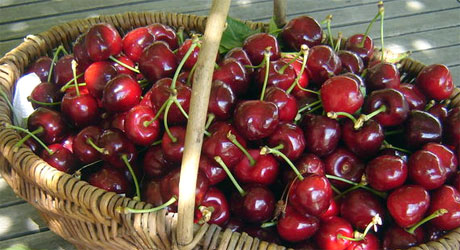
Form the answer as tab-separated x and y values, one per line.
13	63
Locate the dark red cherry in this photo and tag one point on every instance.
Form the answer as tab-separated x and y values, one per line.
414	97
408	204
123	69
341	94
155	164
256	45
82	149
103	41
440	111
351	62
164	33
456	180
97	75
256	119
322	63
116	144
397	238
306	164
136	128
80	109
111	180
117	121
383	75
276	78
173	150
302	30
314	194
221	101
235	224
329	230
62	72
446	197
233	73
151	193
344	164
161	91
135	41
157	61
435	81
366	141
286	103
121	94
256	206
426	170
420	128
322	134
191	60
396	110
359	207
264	171
366	51
52	122
386	172
370	242
41	67
446	157
212	170
291	137
46	92
240	55
81	52
295	227
215	200
61	159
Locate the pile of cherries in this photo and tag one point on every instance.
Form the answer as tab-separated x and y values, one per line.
321	146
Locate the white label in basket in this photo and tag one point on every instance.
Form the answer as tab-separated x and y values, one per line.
22	107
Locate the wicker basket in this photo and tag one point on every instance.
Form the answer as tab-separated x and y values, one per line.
85	215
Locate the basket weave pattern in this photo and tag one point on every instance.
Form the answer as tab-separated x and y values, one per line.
85	215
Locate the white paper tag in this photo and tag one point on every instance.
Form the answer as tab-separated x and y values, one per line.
22	107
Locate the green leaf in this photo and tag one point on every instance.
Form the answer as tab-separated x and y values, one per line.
234	35
273	28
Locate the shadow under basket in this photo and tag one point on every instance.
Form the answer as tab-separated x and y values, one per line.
85	215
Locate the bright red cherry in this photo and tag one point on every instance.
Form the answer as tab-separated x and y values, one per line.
264	171
173	149
426	170
135	41
322	63
80	109
313	194
327	236
97	75
413	95
111	180
359	207
302	30
121	94
295	227
447	158
52	122
292	139
408	204
396	106
386	172
256	119
102	41
164	33
366	51
366	141
446	197
62	159
286	103
82	149
383	75
341	94
139	127
215	200
435	81
157	61
255	46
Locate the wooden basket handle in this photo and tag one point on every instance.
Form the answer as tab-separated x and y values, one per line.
201	89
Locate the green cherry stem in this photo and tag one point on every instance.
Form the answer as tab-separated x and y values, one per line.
77	173
7	100
90	142
386	144
28	135
209	121
29	98
336	190
329	32
435	214
65	87
230	175
394	132
124	65
309	106
315	108
382	14
180	107
136	184
156	143
74	71
430	104
195	42
165	120
233	139
275	151
53	61
368	29
335	115
157	115
340	236
190	75
380	194
339	41
128	210
267	70
303	51
367	117
31	135
68	84
268	224
281	71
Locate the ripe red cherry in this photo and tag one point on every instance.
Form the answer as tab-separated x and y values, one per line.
366	141
85	152
447	158
286	103
322	134
111	180
115	145
396	105
135	41
221	101
256	119
302	30
341	94
414	97
426	170
327	235
152	194
81	52
46	92
255	46
365	52
295	227
435	81
440	111
370	242
313	194
345	164
212	170
41	67
386	172
154	163
408	204
233	73
322	63
191	60
61	159
173	150
157	61
256	206
359	207
52	122
351	62
276	78
264	171
124	70
397	238
164	33
307	164
446	197
135	125
121	94
80	110
420	128
292	139
62	72
97	75
383	75
102	41
216	200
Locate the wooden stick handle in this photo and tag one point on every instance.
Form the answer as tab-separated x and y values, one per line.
197	118
279	12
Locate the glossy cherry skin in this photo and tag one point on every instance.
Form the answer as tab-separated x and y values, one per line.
212	170
116	144
256	44
54	127
370	242
396	105
161	91
217	144
102	41
81	52
233	73
221	101
191	60
365	52
291	137
341	94
256	206
366	141
408	204
164	33
97	75
420	128
216	199
282	80
122	69
451	128
295	227
169	186
41	67
135	41
359	207
121	94
306	164
286	103
61	159
151	193
397	238
351	62
264	171
344	164
446	197
117	121
46	92
256	119
111	180
312	195
440	111
62	72
426	170
383	75
386	172
240	55
332	210
173	150
322	134
435	81
303	80
135	128
157	61
326	237
154	163
322	63
302	30
85	152
80	110
414	97
447	158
